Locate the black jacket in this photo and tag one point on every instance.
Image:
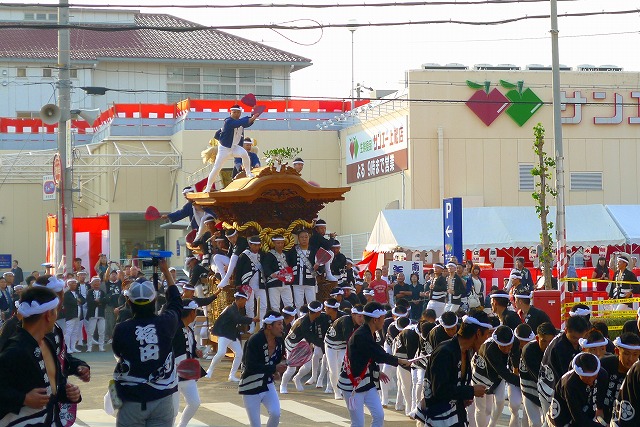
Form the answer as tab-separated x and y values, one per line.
72	304
92	303
22	370
555	363
270	265
490	367
245	270
184	346
407	344
529	369
300	268
143	348
574	403
339	333
536	317
445	387
259	365
626	413
226	325
363	355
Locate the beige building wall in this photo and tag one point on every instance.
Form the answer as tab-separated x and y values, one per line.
481	163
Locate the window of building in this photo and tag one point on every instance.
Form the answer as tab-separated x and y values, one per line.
21	72
28	114
41	16
53	17
525	181
46	72
586	181
217	83
73	73
29	16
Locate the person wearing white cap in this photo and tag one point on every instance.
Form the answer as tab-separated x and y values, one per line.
624	290
275	264
145	375
301	259
262	358
72	302
360	375
254	160
96	304
490	368
250	277
317	241
529	370
298	164
405	346
447	380
33	382
226	329
230	143
627	352
557	357
500	301
335	344
529	314
184	347
83	287
572	403
226	264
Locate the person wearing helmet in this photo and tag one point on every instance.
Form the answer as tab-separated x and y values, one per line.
145	376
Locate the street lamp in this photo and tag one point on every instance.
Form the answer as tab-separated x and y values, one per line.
353	25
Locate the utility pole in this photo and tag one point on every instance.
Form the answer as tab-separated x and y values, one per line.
65	199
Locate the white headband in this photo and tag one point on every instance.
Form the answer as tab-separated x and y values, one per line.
376	313
530	338
439	321
515	276
235	109
290	313
618	343
31	309
524	296
240	295
356	311
271	319
72	280
438	265
395	313
336	305
626	261
493	296
277	239
579	370
338	292
580	312
451	264
53	283
315	310
232	234
368	292
191	306
473	321
94	278
584	344
495	339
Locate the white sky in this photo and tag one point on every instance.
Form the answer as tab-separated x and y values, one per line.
383	54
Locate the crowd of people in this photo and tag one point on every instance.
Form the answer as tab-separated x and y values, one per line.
454	352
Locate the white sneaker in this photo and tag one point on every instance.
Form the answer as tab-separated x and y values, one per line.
89	349
311	381
328	390
234	379
209	373
250	175
298	384
101	348
283	390
337	396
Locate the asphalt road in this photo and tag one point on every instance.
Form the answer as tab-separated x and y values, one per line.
222	405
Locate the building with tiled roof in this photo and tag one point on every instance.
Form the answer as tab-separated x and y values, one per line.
145	64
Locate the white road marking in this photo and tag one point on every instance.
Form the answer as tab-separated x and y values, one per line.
234	412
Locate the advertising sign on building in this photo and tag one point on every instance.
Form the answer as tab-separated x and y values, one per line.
377	151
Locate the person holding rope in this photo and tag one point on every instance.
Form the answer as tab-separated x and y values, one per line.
360	376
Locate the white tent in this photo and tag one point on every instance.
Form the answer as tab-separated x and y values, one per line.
627	218
490	227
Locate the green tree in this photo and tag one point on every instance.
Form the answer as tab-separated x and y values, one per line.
543	189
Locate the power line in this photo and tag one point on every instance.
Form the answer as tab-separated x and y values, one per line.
286	5
197	27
